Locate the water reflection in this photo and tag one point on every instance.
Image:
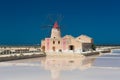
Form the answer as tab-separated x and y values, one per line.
105	67
58	64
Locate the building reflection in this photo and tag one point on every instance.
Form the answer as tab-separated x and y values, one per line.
57	64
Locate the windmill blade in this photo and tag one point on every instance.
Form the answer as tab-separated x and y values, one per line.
59	18
50	17
46	26
46	32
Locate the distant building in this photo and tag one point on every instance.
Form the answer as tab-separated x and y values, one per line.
68	43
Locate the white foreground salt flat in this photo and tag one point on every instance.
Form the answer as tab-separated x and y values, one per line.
106	67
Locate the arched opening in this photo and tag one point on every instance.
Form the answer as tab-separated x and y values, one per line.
60	50
53	48
43	48
71	47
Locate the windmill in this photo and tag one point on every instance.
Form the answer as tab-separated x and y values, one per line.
52	19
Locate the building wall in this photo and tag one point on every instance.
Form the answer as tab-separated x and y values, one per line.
62	45
68	43
86	47
85	39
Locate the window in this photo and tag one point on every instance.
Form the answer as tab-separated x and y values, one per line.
53	42
71	47
58	42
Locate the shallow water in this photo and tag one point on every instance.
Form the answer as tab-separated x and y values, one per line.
105	67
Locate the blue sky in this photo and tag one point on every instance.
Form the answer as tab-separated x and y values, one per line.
21	21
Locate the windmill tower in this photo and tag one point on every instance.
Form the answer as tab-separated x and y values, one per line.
56	33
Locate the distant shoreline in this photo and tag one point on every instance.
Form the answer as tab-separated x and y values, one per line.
39	45
19	45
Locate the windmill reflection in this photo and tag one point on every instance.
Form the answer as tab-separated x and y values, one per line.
57	64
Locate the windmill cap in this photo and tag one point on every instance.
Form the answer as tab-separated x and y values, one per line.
56	25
